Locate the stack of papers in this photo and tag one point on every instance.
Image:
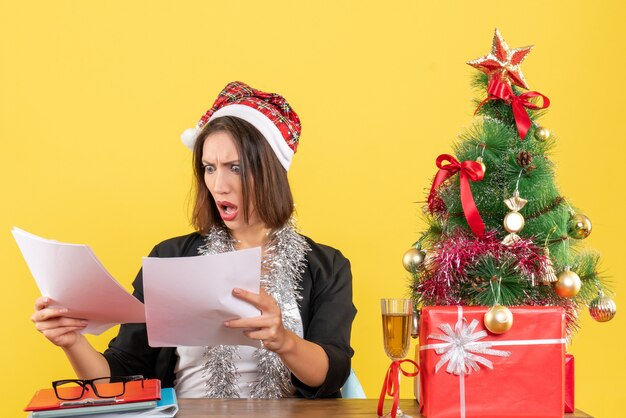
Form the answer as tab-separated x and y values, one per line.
73	277
167	407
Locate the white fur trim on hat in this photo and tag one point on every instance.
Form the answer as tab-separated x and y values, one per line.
264	125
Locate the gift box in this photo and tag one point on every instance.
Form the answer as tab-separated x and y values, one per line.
466	371
569	383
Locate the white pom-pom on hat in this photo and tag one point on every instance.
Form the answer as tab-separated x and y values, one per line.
189	137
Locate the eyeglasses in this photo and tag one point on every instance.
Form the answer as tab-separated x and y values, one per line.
103	387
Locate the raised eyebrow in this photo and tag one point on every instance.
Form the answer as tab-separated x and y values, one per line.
234	162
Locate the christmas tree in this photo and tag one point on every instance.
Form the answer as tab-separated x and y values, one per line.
499	231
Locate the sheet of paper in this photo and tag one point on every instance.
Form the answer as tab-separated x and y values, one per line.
72	276
189	298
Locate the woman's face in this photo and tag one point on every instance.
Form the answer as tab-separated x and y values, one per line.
222	176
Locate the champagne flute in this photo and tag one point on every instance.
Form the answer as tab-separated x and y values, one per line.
397	318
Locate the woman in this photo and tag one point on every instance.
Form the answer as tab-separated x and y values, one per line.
242	149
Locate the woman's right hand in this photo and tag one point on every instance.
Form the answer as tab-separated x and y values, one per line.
53	323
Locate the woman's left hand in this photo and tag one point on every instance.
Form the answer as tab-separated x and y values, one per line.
267	328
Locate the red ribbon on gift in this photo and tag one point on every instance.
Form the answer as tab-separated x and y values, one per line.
503	91
469	170
391	385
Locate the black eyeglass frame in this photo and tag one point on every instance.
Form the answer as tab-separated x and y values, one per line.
84	383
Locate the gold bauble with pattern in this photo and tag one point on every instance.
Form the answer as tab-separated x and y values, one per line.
498	319
602	308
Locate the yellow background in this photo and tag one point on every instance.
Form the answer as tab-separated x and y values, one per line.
94	95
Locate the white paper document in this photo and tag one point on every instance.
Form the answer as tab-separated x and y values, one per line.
189	298
72	276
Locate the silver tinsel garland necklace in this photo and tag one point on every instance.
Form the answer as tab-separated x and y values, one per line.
283	264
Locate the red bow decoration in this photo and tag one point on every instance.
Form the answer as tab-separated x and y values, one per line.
391	385
469	170
499	90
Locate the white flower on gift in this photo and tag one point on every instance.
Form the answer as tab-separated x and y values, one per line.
462	347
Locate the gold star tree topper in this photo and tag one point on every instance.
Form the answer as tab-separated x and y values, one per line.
503	62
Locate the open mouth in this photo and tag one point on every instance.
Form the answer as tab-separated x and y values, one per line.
228	211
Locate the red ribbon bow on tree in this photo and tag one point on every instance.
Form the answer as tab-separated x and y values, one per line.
391	385
469	170
499	90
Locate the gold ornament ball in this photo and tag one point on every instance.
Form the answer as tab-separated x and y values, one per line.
567	284
498	319
579	226
480	161
412	259
542	134
602	308
513	222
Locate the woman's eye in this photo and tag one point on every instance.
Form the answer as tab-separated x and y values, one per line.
236	168
209	169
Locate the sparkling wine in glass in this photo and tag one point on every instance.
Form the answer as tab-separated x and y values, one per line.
397	319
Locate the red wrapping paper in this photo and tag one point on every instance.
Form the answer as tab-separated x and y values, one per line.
527	383
569	383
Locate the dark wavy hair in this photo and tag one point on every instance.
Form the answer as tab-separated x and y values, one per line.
264	180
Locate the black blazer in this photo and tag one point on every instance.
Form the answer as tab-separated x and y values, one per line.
326	308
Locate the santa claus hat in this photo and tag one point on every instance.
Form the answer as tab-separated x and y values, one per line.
268	112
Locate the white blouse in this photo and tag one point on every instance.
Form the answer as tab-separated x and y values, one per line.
190	381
